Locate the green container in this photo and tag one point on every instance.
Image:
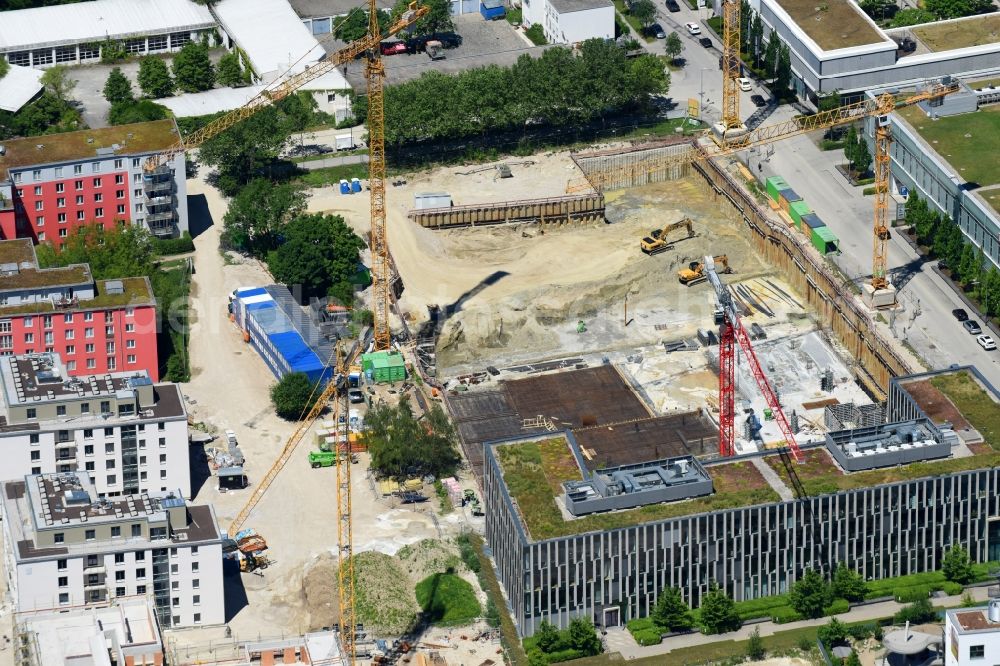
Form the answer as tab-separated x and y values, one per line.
796	210
774	185
824	240
384	367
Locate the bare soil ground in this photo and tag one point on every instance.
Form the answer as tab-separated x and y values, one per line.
517	294
937	406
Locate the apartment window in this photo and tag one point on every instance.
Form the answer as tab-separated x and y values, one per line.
109	347
17	179
129	328
29	321
61	565
106	407
79	200
88	450
63	598
96	168
32	413
89	348
197	618
137	208
5	326
39	205
119	591
120	209
38	190
135	161
41	236
88	332
119	558
36	456
137	178
40	221
98	212
176	601
196	600
118	163
140	573
130	358
137	193
78	168
112	363
98	197
109	464
71	365
163	473
130	344
109	447
29	338
88	316
119	575
175	585
36	470
58	172
91	364
60	410
143	476
142	460
116	532
194	550
91	560
90	535
33	439
85	409
196	583
63	581
194	567
6	341
89	466
137	532
49	338
78	185
80	216
977	651
161	426
119	194
36	174
163	444
177	619
140	589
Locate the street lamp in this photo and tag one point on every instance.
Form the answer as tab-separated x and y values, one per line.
701	89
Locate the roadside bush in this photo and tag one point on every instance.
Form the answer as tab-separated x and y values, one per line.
860	632
647	637
868	191
536	35
916	613
827	144
837	607
167	246
951	589
916	593
784	615
762	607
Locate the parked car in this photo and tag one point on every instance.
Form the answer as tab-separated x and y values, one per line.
745	84
392	48
656	30
672	6
960	314
986	342
706	42
411	497
972	326
692	28
449	40
355	396
758	100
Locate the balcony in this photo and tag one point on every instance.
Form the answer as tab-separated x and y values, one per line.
155	186
159	199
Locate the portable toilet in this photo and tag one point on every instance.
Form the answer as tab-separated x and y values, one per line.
355	185
345	187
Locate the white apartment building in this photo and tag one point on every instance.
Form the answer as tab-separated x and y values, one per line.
66	547
128	434
972	635
571	21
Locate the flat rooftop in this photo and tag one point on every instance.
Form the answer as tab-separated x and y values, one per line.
29	379
569	6
968	142
973	620
970	31
135	139
832	24
134	292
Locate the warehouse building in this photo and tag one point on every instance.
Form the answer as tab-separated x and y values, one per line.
77	33
57	183
65	547
835	46
95	326
282	333
610	567
130	434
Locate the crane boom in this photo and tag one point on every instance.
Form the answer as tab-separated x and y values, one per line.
732	332
283	89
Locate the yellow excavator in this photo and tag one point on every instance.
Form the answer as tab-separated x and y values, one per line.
695	272
657	242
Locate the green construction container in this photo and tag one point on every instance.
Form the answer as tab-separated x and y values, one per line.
825	240
774	185
796	210
384	367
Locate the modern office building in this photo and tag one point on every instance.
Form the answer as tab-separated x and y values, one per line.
557	562
124	631
972	635
66	547
129	434
77	33
96	326
57	183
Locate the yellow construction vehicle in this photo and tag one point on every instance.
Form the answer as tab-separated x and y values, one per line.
695	272
657	242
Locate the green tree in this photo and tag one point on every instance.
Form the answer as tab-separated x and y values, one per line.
718	612
916	613
547	637
990	291
256	217
583	637
908	17
293	396
969	265
745	19
810	594
862	155
673	46
851	145
45	115
783	74
771	53
4	67
949	9
118	252
318	252
848	584
833	633
828	102
355	25
230	72
437	19
138	111
118	88
853	659
957	565
671	611
402	447
58	81
644	11
755	44
755	646
154	78
879	10
193	69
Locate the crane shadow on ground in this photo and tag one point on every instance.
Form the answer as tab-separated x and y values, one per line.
487	281
199	217
901	275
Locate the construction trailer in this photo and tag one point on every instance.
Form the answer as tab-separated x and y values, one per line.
384	367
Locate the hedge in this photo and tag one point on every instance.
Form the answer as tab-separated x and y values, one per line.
647	637
916	593
952	589
784	615
837	607
165	246
640	624
762	607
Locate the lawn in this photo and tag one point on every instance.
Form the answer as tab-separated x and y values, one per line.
631	20
332	175
534	472
969	142
974	31
976	405
447	600
992	197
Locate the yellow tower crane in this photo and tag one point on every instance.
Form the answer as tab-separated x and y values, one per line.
381	270
731	122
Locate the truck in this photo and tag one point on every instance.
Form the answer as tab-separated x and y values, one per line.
344	142
325	456
435	50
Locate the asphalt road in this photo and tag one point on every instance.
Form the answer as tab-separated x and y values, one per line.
924	318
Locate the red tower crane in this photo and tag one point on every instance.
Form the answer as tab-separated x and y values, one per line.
731	332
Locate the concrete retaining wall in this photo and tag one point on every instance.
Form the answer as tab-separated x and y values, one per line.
575	209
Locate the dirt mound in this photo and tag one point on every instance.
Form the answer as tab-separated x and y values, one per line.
320	589
429	556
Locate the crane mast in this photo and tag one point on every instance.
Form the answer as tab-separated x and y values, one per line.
731	66
381	270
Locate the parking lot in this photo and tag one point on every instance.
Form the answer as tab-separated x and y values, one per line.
483	43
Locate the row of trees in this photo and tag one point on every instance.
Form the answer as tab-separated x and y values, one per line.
943	239
192	71
856	151
354	26
550	645
771	58
554	89
403	446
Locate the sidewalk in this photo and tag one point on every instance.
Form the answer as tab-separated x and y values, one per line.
621	641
